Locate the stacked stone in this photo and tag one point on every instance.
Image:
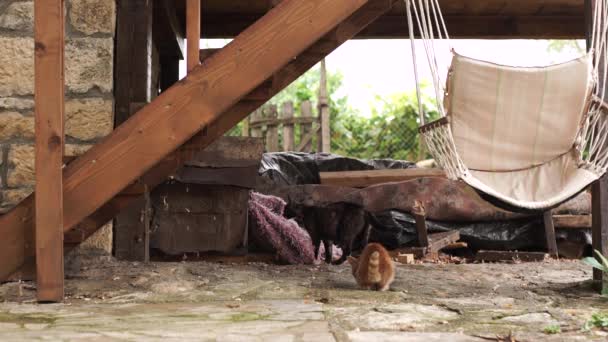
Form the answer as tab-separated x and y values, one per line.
90	26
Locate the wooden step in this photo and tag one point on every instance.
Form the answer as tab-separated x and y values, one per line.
204	99
363	179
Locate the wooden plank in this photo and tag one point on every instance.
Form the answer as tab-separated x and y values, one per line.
306	141
193	32
130	232
16	227
305	128
599	230
325	141
438	241
244	177
572	221
133	65
288	129
230	152
256	130
362	179
462	25
550	234
497	256
272	132
421	229
49	96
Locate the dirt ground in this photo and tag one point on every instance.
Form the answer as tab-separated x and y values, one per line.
189	301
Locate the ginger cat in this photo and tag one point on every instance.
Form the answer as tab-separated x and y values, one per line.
374	269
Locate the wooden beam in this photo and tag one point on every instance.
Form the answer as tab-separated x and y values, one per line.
133	67
193	32
460	26
178	113
550	234
362	179
324	116
49	94
572	221
421	229
16	226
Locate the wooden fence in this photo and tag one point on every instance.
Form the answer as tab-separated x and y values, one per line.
286	130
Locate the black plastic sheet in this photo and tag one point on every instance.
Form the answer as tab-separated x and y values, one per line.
395	229
295	168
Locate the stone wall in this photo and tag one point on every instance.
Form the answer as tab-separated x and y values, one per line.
90	27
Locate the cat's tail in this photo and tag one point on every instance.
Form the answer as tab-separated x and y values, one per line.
373	268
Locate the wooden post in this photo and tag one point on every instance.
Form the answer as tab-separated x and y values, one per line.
256	130
306	128
550	234
420	217
288	131
245	128
49	96
272	132
324	114
193	32
599	189
133	67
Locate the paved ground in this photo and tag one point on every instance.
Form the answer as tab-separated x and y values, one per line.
109	300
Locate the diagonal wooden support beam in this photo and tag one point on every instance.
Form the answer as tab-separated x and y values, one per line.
206	98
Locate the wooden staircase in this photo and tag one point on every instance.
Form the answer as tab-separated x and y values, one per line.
213	98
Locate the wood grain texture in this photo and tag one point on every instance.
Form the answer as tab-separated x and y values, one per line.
193	32
362	179
572	221
49	95
17	226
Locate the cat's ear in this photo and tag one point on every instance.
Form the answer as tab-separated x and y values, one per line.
351	260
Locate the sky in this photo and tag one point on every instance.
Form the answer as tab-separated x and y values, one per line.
384	67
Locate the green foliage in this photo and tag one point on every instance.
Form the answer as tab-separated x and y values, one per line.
598	320
559	46
552	329
390	132
602	266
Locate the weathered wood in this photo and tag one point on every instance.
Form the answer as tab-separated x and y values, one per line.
244	177
256	130
193	32
288	128
306	141
362	179
421	229
550	234
17	226
305	129
324	119
599	189
461	26
130	232
230	152
497	256
262	121
272	132
599	230
438	241
49	94
133	65
199	218
572	221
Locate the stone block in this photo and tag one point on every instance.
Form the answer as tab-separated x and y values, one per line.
15	103
16	66
18	16
16	125
93	16
88	64
88	119
21	166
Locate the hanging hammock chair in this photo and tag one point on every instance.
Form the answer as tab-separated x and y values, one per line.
526	138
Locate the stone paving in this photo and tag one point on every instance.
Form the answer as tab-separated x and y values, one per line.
116	301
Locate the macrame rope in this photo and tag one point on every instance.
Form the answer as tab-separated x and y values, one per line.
592	138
